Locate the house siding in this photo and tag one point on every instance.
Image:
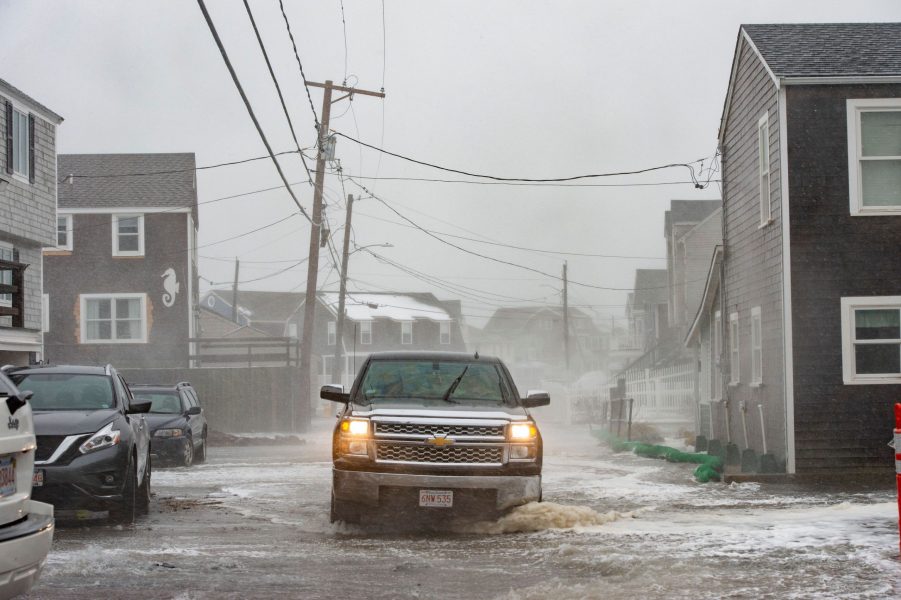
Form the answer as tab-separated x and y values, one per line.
91	269
833	255
752	260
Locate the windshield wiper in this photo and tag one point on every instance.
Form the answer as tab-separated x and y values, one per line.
453	386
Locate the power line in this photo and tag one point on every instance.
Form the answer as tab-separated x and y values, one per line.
523	179
344	29
269	276
537	184
300	65
231	70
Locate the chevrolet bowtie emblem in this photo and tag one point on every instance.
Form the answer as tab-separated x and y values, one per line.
440	440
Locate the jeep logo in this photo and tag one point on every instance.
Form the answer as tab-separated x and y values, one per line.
12	423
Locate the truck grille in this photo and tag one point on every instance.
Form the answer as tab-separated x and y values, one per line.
437	429
440	455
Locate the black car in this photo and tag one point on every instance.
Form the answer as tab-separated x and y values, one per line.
93	446
176	421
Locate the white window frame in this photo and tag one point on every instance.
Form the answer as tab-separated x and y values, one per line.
45	313
332	335
365	333
717	346
764	169
7	299
734	350
83	319
21	176
69	241
406	333
444	333
848	306
855	192
140	250
756	347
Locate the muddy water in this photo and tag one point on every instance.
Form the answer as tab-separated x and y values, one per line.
253	523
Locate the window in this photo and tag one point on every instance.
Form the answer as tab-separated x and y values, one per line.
366	332
717	347
20	143
45	313
756	348
113	318
406	332
332	333
444	332
64	232
763	162
871	340
734	366
292	330
128	235
6	278
874	156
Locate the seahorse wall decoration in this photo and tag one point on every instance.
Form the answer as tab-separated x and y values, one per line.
171	287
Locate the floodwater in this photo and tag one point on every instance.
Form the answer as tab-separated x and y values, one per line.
253	523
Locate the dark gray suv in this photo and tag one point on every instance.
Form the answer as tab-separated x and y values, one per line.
178	427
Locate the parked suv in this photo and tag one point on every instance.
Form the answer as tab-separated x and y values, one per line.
26	526
178	427
93	447
425	433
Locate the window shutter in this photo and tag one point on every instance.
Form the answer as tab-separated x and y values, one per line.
9	137
31	148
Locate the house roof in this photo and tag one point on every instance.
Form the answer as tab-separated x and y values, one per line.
829	49
650	286
127	181
688	211
366	306
7	89
711	287
508	318
268	306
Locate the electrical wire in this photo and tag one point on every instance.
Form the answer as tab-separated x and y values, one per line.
536	184
302	75
269	276
344	30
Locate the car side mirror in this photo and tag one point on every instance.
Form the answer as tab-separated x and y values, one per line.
139	407
335	393
16	401
194	410
536	398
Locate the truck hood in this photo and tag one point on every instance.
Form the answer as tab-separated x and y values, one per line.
446	410
71	422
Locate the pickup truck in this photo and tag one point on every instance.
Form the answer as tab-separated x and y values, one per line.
428	434
26	526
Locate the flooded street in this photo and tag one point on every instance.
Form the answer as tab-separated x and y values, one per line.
253	523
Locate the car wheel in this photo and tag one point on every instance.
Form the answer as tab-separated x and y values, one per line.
187	453
143	495
124	512
200	454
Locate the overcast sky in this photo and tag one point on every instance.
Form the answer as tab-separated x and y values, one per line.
517	89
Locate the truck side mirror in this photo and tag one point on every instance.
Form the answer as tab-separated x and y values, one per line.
536	398
335	393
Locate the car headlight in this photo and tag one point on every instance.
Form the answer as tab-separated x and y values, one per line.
356	427
168	433
522	431
104	438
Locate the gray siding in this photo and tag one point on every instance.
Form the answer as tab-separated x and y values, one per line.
753	256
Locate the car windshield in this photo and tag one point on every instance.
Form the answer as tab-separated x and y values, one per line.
416	380
167	403
67	391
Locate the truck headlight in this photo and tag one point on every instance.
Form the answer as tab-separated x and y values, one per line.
522	431
356	427
104	438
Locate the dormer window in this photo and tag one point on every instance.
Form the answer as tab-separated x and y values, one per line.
128	235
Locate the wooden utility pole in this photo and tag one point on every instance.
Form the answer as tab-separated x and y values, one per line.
565	319
309	309
235	292
339	328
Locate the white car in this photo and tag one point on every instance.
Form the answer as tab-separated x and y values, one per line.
26	526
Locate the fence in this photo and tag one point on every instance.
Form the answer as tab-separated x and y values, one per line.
240	399
245	352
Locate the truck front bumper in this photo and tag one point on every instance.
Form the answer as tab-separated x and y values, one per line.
363	487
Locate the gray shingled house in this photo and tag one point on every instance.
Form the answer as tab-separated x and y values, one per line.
808	293
121	282
27	219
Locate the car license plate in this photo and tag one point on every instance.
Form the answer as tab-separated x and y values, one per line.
436	498
7	476
37	480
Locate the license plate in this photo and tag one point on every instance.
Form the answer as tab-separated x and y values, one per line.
7	476
436	498
37	480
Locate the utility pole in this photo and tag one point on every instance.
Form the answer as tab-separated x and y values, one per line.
339	329
235	292
309	309
565	319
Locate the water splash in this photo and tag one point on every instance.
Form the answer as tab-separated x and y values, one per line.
539	516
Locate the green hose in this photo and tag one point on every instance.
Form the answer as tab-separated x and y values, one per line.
710	467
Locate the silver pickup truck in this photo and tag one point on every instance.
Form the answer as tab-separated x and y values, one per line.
424	434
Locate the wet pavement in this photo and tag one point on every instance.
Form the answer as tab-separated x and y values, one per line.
253	523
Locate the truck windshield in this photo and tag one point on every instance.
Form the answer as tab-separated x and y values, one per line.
67	391
417	380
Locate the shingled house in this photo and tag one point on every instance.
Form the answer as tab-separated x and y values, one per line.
810	295
121	282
